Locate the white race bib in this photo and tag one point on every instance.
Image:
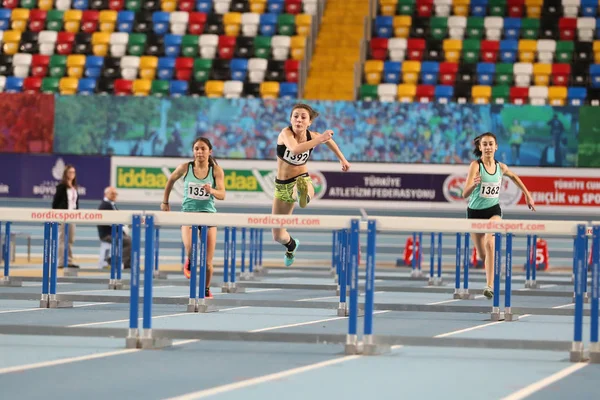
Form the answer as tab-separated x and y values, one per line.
490	190
196	191
296	159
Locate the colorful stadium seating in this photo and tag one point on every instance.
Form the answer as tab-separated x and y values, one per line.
484	51
215	48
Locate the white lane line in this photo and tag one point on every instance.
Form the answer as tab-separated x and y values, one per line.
307	323
541	384
451	301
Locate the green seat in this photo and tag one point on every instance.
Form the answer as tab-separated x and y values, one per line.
189	45
159	88
530	28
29	4
202	67
262	46
497	8
57	66
54	20
475	27
133	5
504	74
564	51
500	94
49	85
136	44
438	27
470	50
286	24
406	7
368	92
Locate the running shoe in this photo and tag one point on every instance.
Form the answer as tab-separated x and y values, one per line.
208	294
186	268
289	257
488	292
302	187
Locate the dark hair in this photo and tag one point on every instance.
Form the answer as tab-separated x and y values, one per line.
211	161
311	112
64	175
477	140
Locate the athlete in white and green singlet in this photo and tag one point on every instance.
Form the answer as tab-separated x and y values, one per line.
482	188
203	181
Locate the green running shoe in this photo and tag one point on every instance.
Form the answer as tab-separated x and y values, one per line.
289	257
488	292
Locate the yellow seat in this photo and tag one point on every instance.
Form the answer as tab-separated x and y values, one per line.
46	5
297	46
19	18
461	7
75	65
11	41
534	8
303	24
214	88
269	90
148	66
231	23
410	71
452	49
68	85
72	19
481	94
596	51
406	92
168	5
373	70
541	74
402	24
258	6
100	43
108	19
527	49
141	87
557	95
388	7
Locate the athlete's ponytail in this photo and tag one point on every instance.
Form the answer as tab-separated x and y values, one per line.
211	161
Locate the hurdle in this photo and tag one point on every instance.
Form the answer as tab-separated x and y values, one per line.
7	280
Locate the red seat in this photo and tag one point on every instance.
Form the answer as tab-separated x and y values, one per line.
425	93
183	68
37	20
515	8
379	48
560	74
116	5
39	65
291	68
424	8
489	50
196	22
186	5
64	43
226	46
447	74
32	84
89	21
415	49
293	6
519	95
10	3
123	87
567	27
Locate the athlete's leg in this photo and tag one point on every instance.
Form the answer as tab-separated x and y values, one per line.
186	238
489	244
210	252
281	235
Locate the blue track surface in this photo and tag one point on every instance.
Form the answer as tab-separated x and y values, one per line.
99	368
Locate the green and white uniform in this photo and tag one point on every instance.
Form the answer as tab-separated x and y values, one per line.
195	198
487	192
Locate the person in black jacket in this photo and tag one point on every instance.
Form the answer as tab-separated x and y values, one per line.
66	198
105	231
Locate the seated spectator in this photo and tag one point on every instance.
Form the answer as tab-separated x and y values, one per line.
105	231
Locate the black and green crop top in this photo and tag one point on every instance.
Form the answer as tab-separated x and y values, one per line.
294	159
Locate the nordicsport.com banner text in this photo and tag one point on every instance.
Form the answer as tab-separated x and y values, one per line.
53	215
284	221
501	226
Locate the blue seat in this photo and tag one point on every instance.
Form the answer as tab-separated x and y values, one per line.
478	8
13	84
165	68
239	69
276	6
172	45
178	88
205	6
485	73
268	24
125	21
589	8
288	90
576	95
512	28
160	22
429	72
508	50
384	26
86	86
80	5
597	28
93	66
5	14
444	93
595	75
392	71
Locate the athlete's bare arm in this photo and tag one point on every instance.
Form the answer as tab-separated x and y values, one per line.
336	150
473	179
175	176
291	143
219	190
513	177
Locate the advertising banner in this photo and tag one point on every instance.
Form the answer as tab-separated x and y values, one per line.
27	123
36	176
378	186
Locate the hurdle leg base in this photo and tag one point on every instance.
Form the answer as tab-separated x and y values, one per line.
154	343
44	303
246	276
260	272
60	304
438	282
225	288
7	281
497	316
510	317
353	349
237	289
376	349
342	312
586	298
160	275
191	308
457	296
577	356
205	308
70	272
532	285
416	273
467	296
131	343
